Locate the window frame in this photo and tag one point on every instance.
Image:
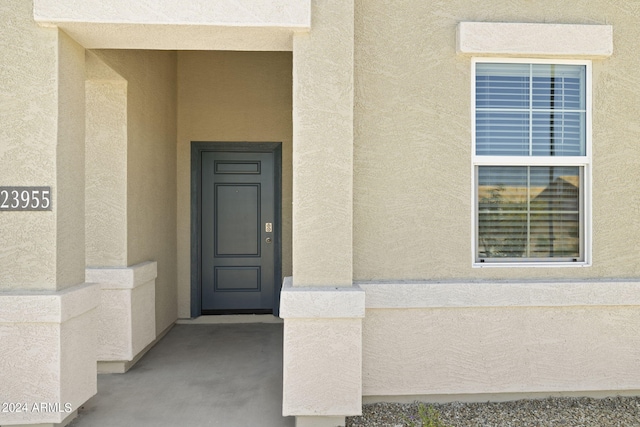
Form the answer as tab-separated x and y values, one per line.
584	162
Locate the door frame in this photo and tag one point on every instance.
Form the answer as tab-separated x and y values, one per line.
199	147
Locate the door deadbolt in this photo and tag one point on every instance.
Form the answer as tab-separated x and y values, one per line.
268	240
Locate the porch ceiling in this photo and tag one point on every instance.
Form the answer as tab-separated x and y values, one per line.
180	25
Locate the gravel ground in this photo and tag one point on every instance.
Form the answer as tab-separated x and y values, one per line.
556	412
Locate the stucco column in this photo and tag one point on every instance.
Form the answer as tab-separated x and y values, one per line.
46	310
322	310
323	147
126	315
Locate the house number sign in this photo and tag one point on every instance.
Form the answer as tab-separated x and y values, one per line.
25	199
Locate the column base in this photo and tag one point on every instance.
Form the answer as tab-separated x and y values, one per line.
126	315
322	376
48	368
320	421
72	416
122	366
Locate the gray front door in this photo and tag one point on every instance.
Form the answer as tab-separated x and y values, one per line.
238	235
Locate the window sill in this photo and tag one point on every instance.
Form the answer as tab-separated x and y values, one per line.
530	264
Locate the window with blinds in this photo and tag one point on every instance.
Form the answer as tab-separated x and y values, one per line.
530	161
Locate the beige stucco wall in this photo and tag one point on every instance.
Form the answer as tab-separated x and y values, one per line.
323	148
150	167
500	350
231	96
70	163
469	340
106	182
412	195
42	134
28	122
438	326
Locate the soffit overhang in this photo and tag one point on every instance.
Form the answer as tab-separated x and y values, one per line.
178	25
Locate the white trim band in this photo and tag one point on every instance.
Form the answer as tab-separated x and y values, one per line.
48	307
506	294
123	277
320	302
519	39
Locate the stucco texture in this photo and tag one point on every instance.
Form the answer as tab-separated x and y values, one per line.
49	349
439	326
412	154
42	134
500	350
226	97
245	25
250	13
106	182
323	148
322	359
150	167
126	314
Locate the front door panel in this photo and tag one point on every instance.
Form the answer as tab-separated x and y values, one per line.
237	244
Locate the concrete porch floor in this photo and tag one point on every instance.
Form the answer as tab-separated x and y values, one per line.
197	375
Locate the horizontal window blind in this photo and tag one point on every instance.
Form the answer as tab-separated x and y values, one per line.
530	110
530	161
529	211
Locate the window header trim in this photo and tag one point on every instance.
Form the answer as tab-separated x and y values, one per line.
534	40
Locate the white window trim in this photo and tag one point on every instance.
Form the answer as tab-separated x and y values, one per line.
584	161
